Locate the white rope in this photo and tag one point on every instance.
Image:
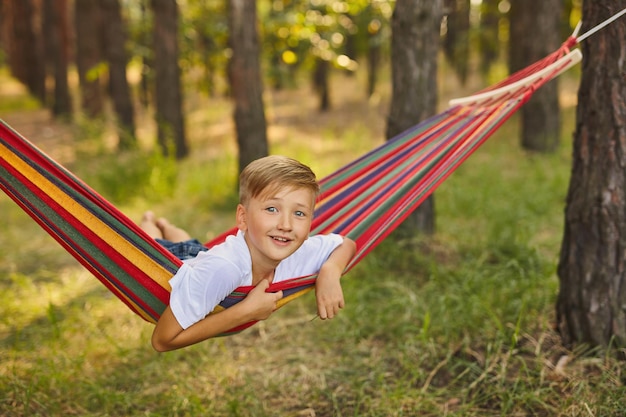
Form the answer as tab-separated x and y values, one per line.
600	26
572	58
577	29
556	68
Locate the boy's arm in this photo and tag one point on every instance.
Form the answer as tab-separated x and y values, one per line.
258	305
327	287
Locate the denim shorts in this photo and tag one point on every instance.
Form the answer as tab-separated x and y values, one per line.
188	249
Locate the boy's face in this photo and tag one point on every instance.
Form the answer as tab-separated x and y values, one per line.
276	224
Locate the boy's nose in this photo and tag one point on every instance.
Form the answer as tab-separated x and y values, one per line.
284	223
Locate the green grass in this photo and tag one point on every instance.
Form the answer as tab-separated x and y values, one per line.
460	324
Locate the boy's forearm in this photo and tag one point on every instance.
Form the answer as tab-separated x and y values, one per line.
210	326
215	324
258	305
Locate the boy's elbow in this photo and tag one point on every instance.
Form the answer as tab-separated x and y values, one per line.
159	345
351	244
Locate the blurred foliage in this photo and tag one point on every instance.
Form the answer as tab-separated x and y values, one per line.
297	33
294	33
204	40
340	32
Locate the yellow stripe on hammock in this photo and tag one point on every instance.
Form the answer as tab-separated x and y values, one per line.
151	268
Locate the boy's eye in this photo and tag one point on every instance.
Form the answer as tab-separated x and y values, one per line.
300	213
271	209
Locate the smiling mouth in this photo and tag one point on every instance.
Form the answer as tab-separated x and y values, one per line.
281	239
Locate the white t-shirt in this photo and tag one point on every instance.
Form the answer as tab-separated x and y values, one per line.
203	282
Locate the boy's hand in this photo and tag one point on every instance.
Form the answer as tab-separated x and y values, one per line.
260	304
328	292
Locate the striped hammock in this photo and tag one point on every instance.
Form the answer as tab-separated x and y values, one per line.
364	200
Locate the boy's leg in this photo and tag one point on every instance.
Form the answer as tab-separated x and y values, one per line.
171	232
149	225
174	239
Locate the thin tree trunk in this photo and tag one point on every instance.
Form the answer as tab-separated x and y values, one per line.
535	33
456	42
488	36
115	51
374	53
169	116
415	27
3	24
320	82
25	50
88	56
245	81
54	27
146	60
592	267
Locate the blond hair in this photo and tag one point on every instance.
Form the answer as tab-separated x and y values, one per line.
271	173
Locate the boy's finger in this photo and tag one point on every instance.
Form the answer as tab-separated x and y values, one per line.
321	310
263	284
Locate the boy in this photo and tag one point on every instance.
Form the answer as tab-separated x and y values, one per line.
276	201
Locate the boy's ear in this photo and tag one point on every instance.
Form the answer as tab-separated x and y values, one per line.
241	218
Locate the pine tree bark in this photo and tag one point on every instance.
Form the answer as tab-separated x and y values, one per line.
25	54
535	33
456	44
374	55
591	305
88	56
55	29
115	51
245	81
488	37
169	116
321	72
415	27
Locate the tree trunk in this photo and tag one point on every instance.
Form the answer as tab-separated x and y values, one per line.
88	55
415	27
3	26
115	51
245	81
55	29
456	42
488	37
535	33
169	116
592	266
374	54
25	49
320	83
147	63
